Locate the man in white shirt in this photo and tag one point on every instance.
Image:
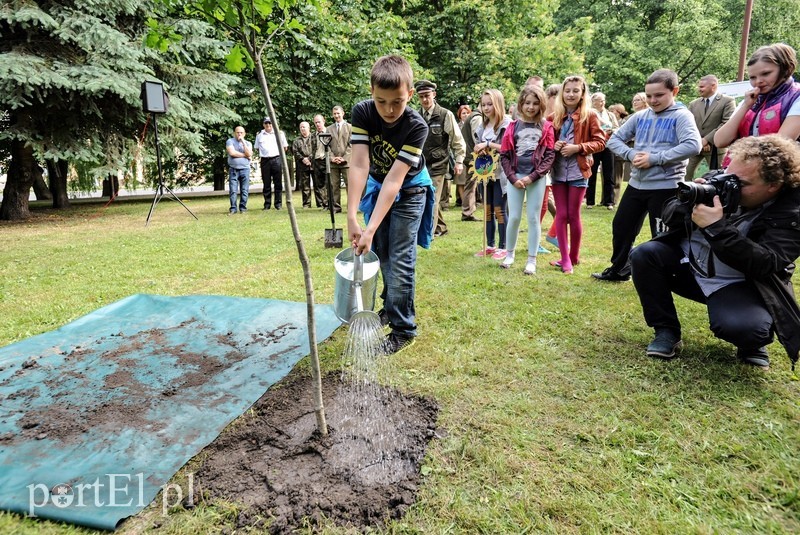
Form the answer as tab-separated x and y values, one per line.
267	145
710	111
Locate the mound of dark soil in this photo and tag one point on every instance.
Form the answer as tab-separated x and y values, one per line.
274	463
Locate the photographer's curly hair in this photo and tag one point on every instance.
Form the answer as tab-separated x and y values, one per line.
779	157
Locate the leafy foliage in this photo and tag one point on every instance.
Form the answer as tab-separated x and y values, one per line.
691	37
71	73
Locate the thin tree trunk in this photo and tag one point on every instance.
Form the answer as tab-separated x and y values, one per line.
319	408
18	183
218	166
40	189
110	186
57	170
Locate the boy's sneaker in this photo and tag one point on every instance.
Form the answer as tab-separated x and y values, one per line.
754	357
530	266
542	250
552	240
488	252
396	342
665	344
499	254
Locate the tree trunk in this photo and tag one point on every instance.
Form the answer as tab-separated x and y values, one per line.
58	169
319	408
219	165
20	178
110	186
40	189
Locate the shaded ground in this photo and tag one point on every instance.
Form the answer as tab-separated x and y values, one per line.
274	463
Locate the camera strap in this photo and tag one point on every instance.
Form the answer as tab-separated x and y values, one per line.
693	260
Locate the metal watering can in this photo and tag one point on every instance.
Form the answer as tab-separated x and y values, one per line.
356	284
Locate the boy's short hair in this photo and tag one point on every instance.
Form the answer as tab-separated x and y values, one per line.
778	157
779	54
664	76
391	72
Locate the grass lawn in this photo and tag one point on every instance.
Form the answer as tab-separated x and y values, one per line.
552	419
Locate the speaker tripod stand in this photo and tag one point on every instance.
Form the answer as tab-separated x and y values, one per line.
161	188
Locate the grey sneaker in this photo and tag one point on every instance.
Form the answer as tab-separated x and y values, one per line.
665	344
754	357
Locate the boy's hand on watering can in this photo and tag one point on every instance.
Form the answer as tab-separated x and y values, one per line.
364	242
356	234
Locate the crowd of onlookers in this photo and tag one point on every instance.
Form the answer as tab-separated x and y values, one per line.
582	154
546	153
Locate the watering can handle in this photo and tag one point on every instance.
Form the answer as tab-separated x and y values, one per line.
358	280
358	269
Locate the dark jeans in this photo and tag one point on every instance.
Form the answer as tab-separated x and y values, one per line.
736	313
395	243
495	213
606	159
271	175
635	204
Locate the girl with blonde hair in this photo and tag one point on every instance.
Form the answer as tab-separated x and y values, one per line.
490	134
578	136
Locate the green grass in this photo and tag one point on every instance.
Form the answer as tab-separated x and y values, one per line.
552	419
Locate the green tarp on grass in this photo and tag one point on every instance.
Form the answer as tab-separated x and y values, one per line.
96	416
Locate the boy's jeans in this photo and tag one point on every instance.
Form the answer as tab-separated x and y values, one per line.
395	243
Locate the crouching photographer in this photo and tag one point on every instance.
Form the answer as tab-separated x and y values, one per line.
735	255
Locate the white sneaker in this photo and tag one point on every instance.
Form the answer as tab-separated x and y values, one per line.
530	266
508	260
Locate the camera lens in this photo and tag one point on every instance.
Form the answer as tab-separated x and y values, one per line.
687	193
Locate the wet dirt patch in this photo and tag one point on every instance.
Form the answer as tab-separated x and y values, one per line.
274	463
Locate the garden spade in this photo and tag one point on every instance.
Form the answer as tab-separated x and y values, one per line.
333	235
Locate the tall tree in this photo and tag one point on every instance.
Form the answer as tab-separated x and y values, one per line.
70	77
466	46
632	39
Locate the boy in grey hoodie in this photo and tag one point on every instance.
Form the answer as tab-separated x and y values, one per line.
665	137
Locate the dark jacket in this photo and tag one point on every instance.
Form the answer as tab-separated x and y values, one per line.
437	144
766	256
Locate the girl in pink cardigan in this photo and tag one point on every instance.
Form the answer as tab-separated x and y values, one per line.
526	154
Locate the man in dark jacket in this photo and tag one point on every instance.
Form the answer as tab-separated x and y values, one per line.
739	265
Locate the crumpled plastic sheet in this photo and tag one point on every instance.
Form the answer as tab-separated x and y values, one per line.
97	416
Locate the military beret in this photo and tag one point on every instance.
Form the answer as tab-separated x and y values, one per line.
425	85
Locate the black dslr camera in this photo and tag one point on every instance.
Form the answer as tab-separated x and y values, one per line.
718	182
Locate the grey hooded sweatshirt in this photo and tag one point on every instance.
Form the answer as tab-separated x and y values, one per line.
670	137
